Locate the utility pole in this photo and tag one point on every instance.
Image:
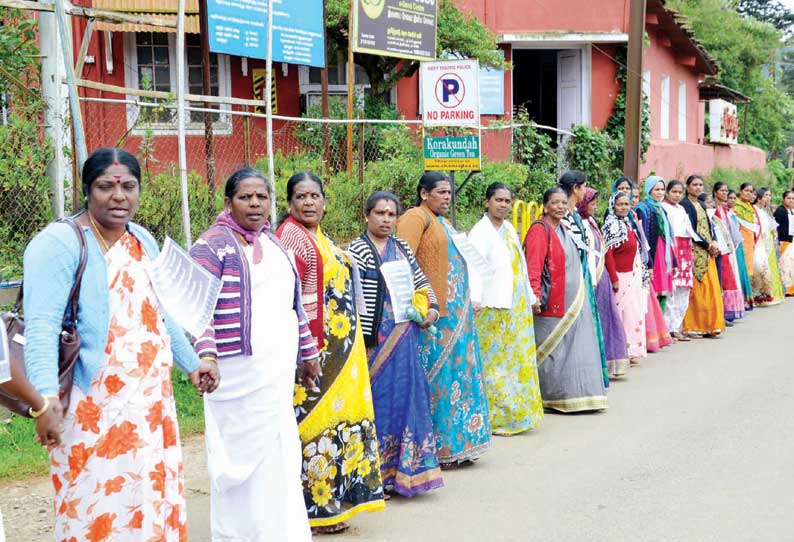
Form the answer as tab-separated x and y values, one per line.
54	93
632	148
206	90
351	89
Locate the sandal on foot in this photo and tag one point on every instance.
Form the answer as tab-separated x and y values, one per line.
331	529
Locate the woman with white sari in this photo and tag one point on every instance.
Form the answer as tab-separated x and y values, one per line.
259	336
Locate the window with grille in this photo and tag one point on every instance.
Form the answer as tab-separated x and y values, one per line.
150	61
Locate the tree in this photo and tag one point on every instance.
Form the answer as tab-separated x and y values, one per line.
744	46
770	11
19	53
458	32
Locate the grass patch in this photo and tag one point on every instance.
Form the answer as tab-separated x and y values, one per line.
21	456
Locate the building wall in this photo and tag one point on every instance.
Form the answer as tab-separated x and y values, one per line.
515	16
676	160
605	87
660	60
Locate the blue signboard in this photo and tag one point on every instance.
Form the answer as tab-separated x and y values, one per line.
239	27
492	91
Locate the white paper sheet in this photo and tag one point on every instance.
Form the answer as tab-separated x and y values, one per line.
400	281
5	358
474	260
187	291
790	224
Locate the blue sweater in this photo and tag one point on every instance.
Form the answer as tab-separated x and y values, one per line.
50	264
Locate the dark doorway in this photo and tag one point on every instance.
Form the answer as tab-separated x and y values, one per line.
535	84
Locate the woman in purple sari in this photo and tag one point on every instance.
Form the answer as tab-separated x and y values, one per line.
614	337
400	390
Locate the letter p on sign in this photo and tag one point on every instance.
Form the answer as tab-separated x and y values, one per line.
451	87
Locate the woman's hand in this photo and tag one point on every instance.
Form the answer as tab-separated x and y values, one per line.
615	286
310	372
49	425
432	318
713	249
206	378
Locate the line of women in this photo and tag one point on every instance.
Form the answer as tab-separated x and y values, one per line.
335	378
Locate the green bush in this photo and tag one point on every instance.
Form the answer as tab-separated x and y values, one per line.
160	208
591	152
25	195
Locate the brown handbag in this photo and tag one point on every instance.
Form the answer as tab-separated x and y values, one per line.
69	340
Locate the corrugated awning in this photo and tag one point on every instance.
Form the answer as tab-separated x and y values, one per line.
191	25
163	9
145	6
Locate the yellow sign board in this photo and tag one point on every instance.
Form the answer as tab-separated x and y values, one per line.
259	75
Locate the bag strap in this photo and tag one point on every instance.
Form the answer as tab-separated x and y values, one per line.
74	294
548	237
70	316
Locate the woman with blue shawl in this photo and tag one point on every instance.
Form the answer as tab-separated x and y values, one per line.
451	359
659	238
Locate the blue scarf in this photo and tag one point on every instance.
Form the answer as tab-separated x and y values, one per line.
654	208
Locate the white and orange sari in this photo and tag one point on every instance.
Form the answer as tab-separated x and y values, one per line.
118	471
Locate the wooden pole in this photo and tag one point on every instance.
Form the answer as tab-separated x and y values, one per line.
351	88
206	89
271	174
324	105
180	118
89	30
74	101
632	148
246	137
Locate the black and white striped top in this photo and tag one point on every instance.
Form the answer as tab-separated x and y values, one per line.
373	286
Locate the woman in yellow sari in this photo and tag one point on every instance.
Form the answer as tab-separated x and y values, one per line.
341	469
749	226
767	275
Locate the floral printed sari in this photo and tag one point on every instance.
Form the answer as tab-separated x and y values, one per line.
341	470
118	471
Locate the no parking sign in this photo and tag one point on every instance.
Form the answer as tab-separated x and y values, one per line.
450	93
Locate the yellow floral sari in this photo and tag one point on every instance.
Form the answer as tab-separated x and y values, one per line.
341	469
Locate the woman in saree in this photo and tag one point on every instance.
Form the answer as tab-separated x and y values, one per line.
658	232
656	229
451	359
766	276
615	344
503	303
260	337
341	468
574	183
400	392
678	301
115	454
750	228
569	363
625	272
784	216
728	237
705	315
741	260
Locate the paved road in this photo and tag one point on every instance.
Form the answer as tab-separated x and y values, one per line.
698	445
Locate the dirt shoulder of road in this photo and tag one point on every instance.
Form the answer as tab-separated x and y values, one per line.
27	504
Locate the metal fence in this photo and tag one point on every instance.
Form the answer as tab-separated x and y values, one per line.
146	129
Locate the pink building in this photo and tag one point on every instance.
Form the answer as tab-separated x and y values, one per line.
564	74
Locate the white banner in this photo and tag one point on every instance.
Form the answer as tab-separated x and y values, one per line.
400	281
474	260
187	291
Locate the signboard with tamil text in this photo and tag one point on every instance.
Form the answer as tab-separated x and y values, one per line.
400	28
452	153
450	93
239	27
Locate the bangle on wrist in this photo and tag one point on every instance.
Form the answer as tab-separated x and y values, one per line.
211	359
37	413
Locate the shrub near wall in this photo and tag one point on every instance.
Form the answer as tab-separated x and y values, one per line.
25	206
